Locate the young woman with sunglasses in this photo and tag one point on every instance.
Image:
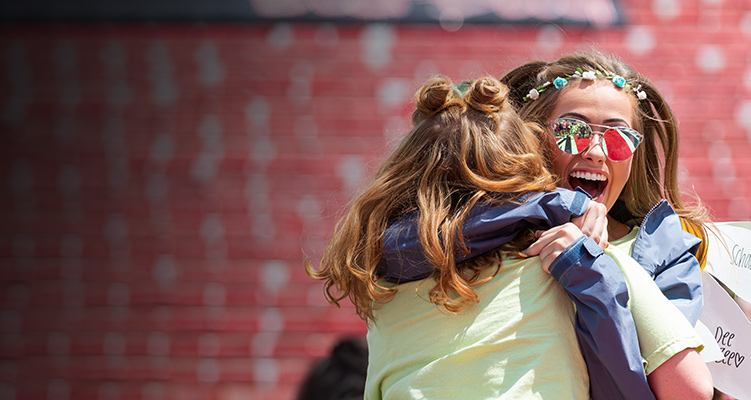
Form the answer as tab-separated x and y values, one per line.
610	133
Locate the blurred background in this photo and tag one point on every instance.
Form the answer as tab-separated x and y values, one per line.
166	167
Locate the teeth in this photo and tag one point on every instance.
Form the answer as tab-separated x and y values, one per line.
588	176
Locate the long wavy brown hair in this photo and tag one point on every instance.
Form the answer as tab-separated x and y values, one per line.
467	143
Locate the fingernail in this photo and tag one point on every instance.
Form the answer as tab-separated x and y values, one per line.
538	233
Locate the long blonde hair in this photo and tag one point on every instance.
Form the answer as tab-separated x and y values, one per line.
467	142
654	170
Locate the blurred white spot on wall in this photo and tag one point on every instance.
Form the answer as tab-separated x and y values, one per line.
108	391
71	245
315	297
208	371
739	209
211	71
58	343
263	344
158	344
116	232
114	343
723	169
263	150
162	149
300	88
118	294
209	345
275	275
214	294
74	295
66	127
116	152
21	178
258	112
424	70
19	78
451	18
377	42
23	245
713	130
327	35
65	58
666	9
58	389
206	164
11	321
115	59
152	391
743	117
281	36
309	209
165	271
351	170
393	93
271	320
640	40
7	391
745	24
710	59
164	89
156	188
69	181
549	38
266	370
17	296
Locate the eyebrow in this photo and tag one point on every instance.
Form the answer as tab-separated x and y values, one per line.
587	120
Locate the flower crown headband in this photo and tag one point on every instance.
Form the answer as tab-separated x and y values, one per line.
560	82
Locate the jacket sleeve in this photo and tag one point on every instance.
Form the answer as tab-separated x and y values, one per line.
604	325
486	227
666	252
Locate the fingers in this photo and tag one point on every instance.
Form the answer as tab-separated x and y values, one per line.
594	223
553	242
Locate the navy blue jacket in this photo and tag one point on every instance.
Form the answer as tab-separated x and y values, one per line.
604	325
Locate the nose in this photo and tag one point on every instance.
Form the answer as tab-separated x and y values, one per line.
595	152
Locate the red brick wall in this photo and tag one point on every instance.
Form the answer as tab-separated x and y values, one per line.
162	184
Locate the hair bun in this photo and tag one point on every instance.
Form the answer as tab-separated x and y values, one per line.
488	94
434	96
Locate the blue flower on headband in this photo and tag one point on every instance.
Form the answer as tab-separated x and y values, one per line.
560	82
619	81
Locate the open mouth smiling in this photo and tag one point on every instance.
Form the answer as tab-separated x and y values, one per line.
592	183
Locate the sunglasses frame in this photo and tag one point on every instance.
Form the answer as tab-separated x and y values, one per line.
632	132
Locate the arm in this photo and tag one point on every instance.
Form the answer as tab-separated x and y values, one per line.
486	227
683	376
604	325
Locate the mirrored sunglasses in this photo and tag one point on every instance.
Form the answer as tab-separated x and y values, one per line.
573	137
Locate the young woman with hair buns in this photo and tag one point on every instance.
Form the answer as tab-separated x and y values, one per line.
499	326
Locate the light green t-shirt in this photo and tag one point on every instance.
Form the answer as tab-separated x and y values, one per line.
518	342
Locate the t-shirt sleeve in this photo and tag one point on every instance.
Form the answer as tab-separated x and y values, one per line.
662	329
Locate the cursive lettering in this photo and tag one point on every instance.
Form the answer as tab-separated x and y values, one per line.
729	357
741	258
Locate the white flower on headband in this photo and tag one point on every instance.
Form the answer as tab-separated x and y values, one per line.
533	94
589	75
641	95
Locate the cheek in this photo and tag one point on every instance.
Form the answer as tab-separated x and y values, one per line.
620	174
